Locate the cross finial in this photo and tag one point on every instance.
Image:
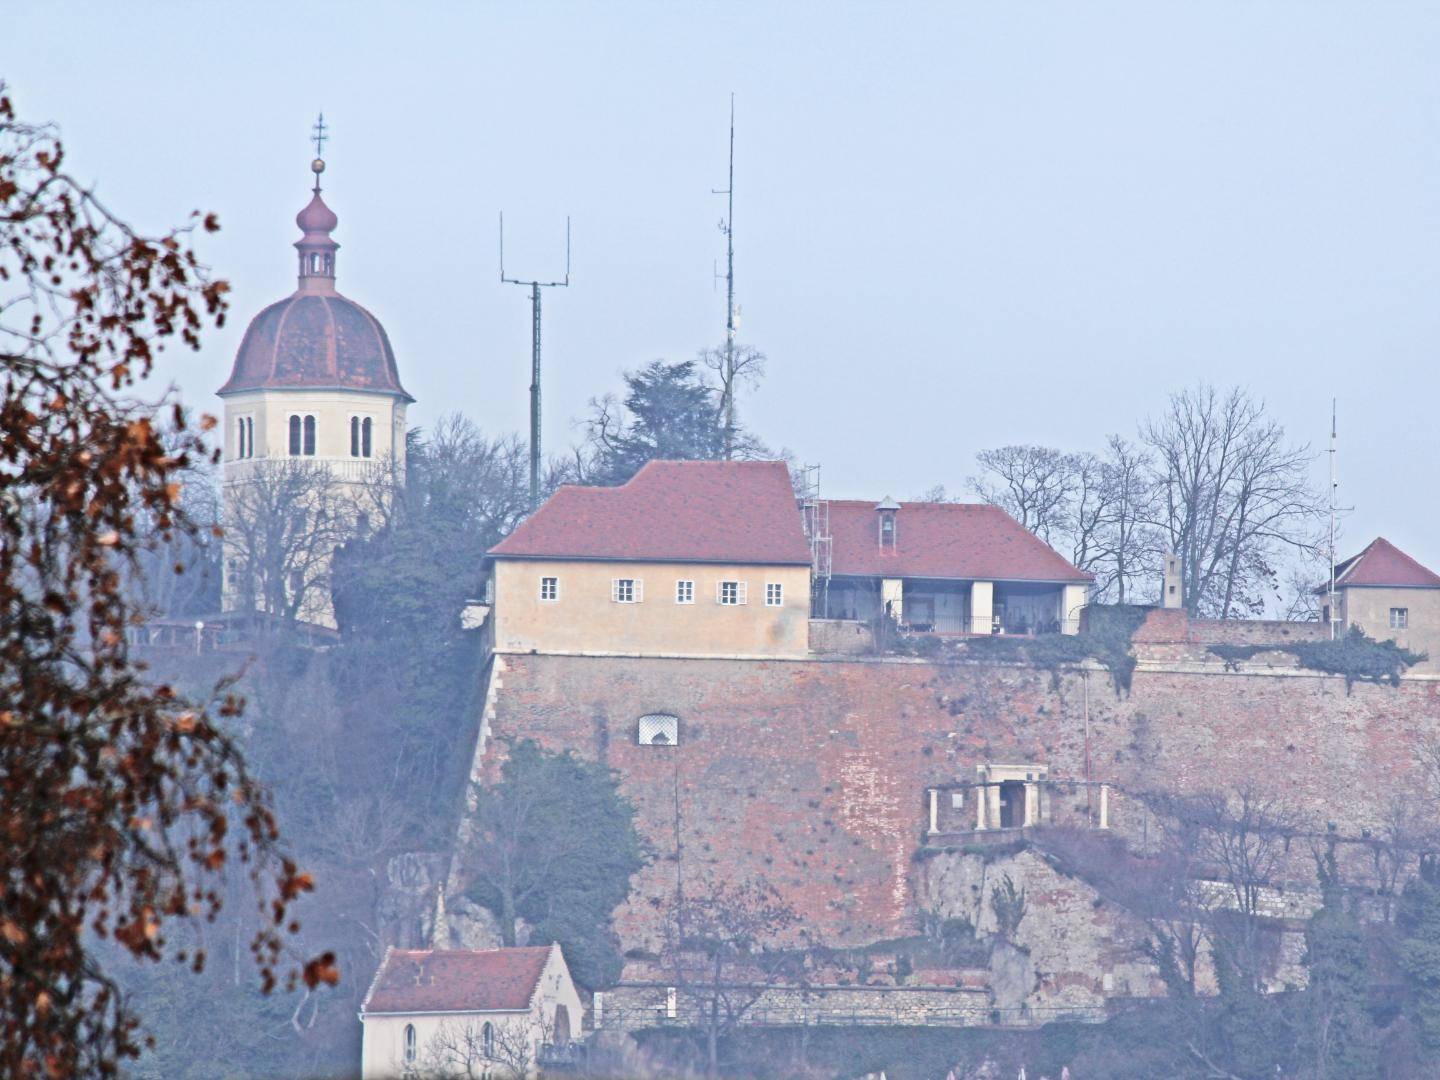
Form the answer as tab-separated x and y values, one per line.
319	135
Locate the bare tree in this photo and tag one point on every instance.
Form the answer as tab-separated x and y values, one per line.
178	571
1234	497
284	520
1033	484
494	1049
1126	542
732	366
727	946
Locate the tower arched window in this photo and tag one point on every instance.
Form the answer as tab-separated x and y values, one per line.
249	436
295	444
487	1040
309	436
366	426
354	436
410	1047
240	437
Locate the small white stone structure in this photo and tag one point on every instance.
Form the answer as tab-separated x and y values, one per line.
467	1012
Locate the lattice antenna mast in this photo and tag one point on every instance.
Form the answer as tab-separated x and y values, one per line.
535	286
1334	491
727	226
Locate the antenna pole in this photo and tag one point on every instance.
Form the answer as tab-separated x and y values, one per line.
534	395
727	404
535	287
1334	488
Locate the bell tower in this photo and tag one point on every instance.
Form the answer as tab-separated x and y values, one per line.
314	423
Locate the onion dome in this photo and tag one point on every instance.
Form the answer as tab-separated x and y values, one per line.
315	338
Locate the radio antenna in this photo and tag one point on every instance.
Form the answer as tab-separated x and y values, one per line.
727	226
535	285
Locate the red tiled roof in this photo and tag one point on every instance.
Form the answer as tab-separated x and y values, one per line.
943	540
456	980
1381	564
685	511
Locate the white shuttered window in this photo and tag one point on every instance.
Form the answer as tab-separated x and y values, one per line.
730	593
626	590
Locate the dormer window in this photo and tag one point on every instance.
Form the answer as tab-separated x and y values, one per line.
887	511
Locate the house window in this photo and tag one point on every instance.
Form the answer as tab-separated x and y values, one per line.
774	594
309	436
410	1047
730	593
684	592
658	729
549	588
626	590
1399	618
487	1040
294	436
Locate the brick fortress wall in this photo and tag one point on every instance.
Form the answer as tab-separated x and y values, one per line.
813	774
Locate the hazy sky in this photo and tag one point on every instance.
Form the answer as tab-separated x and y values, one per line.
957	226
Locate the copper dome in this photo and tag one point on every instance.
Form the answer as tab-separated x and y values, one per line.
315	341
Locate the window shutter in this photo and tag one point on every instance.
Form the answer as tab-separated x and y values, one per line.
740	592
719	592
639	590
615	589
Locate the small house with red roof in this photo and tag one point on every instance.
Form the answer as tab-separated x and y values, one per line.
467	1012
1389	596
689	558
948	568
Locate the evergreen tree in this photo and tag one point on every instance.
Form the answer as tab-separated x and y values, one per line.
668	413
1418	921
557	848
1338	1025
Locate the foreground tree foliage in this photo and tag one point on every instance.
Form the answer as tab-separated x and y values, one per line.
117	797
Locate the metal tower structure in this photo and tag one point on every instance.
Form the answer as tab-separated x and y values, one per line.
816	514
727	226
535	287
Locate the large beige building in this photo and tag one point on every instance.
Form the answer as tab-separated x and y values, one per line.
689	558
1390	596
720	559
460	1012
313	404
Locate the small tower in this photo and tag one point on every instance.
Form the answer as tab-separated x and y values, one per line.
314	401
1171	594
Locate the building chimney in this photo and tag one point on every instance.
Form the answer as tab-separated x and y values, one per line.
1170	596
887	511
